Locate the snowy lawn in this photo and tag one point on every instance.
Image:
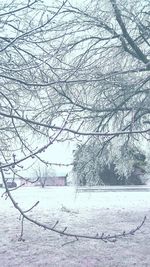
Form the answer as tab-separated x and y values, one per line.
108	212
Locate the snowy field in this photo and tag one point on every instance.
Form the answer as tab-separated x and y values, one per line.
86	212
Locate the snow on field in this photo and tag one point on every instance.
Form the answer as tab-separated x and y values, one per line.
108	212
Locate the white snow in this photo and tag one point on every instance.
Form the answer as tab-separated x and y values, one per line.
89	212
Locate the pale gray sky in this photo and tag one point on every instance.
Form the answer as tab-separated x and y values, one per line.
56	153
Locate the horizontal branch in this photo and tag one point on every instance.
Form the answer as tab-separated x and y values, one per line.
75	132
75	81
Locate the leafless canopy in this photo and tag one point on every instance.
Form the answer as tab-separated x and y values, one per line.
68	71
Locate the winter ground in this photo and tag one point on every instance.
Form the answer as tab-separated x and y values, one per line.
108	212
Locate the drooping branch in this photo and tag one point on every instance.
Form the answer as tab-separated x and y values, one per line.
76	132
63	232
126	35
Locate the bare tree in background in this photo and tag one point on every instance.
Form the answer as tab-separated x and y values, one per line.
43	174
69	72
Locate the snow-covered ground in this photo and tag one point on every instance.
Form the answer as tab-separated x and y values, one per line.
86	212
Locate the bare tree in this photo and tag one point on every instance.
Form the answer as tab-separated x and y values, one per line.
43	174
108	72
108	53
67	72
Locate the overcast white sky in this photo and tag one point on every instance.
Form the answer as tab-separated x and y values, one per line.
57	153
